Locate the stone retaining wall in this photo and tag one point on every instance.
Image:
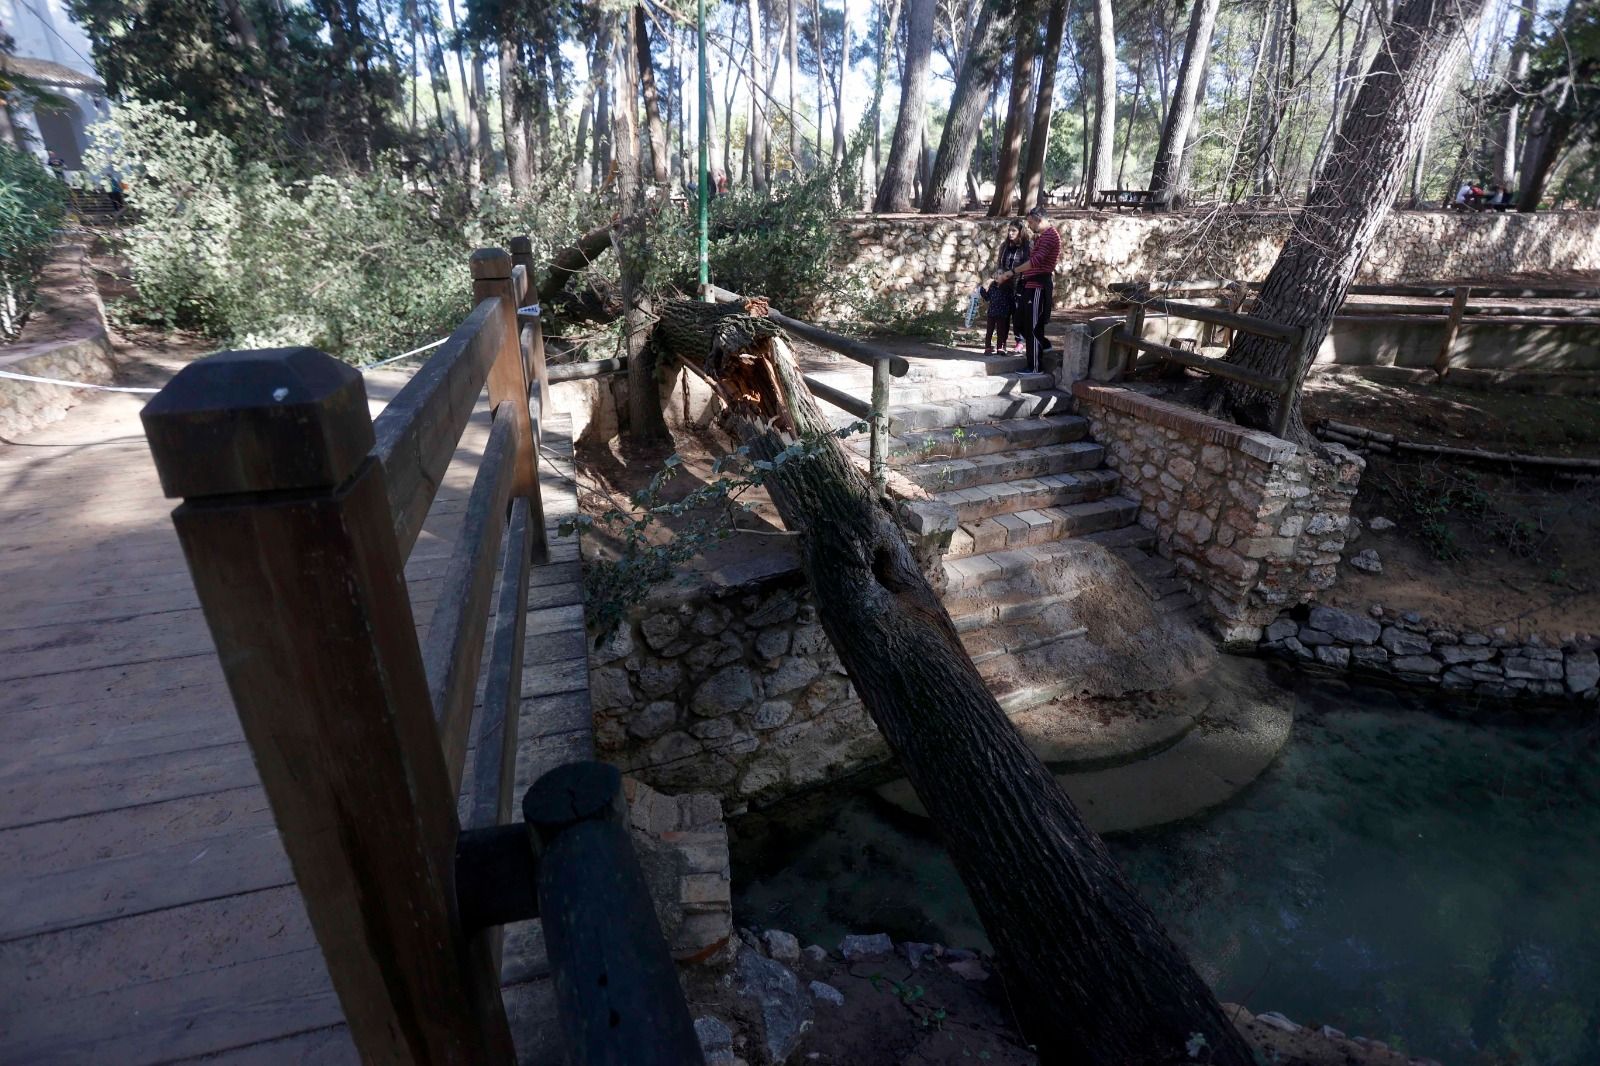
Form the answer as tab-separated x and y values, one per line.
928	264
735	691
1404	647
1253	523
72	345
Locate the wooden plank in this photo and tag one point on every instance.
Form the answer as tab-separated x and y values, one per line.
331	1046
495	758
1246	323
508	376
1441	362
454	647
1469	320
1210	366
593	369
417	432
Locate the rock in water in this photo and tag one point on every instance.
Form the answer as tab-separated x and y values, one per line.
785	1007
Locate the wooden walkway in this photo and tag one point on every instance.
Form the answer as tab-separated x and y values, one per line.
147	911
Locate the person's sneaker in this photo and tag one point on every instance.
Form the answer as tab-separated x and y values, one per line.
988	352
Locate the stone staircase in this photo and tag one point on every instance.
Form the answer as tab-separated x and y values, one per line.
1016	482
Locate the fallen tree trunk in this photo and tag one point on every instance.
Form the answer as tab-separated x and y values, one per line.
1095	974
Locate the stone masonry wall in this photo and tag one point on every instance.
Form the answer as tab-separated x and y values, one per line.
1403	646
1254	524
734	691
927	264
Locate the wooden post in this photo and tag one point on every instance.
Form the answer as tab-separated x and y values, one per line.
522	255
617	988
1135	325
288	533
879	457
1458	307
508	379
1285	409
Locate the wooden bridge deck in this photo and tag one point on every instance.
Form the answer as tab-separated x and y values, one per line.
147	910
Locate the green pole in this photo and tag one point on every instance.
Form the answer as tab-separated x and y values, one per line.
704	183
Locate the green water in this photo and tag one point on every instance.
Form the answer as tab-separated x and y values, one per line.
1396	874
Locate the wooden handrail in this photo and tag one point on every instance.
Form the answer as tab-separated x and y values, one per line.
837	397
1204	363
899	366
1244	323
494	768
454	647
418	431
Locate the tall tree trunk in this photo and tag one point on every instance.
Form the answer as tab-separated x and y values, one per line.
1133	118
1272	106
1549	125
1005	172
888	27
652	102
794	65
1348	206
483	153
1506	164
604	126
647	428
980	67
1096	977
1039	138
756	136
838	85
816	24
1177	130
1418	169
1105	116
513	134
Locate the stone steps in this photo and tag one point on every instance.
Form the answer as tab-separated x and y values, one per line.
911	418
1024	529
949	475
905	392
1031	493
967	442
968	574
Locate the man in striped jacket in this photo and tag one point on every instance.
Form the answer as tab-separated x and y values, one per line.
1038	286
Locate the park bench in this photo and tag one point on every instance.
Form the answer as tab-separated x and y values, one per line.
299	513
1121	198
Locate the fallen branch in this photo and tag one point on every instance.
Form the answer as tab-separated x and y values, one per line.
1343	433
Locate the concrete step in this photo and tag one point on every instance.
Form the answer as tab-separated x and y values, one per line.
965	575
1022	529
906	392
967	412
965	442
1030	493
949	475
960	363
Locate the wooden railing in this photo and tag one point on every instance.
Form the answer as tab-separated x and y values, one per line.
299	512
884	366
1470	305
1131	336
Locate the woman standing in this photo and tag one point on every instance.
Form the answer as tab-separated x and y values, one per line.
1001	295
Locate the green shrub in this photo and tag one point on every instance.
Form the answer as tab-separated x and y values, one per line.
359	265
32	204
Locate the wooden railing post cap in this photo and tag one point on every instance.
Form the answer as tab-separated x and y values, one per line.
521	245
572	793
491	264
258	421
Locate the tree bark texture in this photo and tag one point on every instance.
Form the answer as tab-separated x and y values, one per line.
1026	45
1097	978
894	194
1175	132
756	140
647	427
1349	204
1105	115
1039	137
979	69
1506	165
838	85
652	101
519	169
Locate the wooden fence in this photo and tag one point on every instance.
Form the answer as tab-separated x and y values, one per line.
299	512
1131	336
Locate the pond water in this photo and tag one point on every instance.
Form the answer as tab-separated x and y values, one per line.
1408	877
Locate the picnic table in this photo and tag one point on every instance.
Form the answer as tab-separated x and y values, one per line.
1120	198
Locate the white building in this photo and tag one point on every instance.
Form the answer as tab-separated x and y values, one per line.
51	51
